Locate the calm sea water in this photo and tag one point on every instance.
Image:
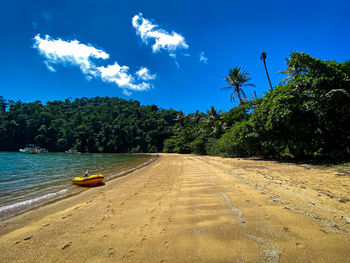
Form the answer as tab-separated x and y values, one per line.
30	180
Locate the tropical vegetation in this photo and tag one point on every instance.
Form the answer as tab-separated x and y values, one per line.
306	116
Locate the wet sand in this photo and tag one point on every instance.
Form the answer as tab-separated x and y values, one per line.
186	208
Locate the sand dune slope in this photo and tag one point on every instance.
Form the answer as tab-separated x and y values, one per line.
186	208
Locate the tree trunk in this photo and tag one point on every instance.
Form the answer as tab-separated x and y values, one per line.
267	74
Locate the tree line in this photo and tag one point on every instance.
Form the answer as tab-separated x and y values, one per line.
306	116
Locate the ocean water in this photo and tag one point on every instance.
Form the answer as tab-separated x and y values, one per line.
31	180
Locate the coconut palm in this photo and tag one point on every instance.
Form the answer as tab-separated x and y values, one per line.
197	116
237	78
180	117
263	58
291	71
212	116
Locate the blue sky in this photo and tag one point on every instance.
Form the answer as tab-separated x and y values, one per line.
60	49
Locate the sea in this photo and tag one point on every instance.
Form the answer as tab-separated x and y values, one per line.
28	181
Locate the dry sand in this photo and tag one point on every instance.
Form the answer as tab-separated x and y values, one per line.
186	208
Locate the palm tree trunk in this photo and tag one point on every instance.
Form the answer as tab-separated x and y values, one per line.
239	97
267	74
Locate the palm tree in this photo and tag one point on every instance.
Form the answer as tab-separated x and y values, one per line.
180	117
291	71
212	116
263	58
237	79
197	116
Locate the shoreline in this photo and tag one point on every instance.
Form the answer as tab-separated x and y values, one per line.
189	208
19	220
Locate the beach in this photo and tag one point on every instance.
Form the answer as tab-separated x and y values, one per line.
188	208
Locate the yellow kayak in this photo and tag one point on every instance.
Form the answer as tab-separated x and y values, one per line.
91	180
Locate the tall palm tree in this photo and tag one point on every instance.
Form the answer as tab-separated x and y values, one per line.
197	116
291	71
212	116
237	79
263	58
180	117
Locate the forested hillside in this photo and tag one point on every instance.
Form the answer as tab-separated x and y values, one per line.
88	125
306	116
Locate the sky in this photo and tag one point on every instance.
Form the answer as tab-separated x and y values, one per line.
170	53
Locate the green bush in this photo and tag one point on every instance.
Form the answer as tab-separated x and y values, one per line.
231	144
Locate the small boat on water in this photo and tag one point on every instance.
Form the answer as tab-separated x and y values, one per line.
72	151
91	180
32	149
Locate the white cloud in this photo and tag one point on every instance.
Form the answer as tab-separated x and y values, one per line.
173	56
203	58
49	67
115	73
145	74
71	52
126	92
162	39
120	75
58	51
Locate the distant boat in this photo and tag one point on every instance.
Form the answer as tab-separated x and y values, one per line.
32	149
72	151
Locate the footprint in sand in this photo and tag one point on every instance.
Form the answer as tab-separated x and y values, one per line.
27	238
130	253
67	245
63	217
286	229
122	203
103	237
110	251
105	218
299	245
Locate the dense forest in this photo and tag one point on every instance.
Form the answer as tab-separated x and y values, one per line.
306	116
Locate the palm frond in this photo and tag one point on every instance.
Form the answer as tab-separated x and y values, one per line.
244	96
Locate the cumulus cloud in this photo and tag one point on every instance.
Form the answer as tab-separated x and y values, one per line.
127	93
203	58
74	53
161	39
145	74
68	52
120	75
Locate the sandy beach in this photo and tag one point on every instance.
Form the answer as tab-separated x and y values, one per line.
187	208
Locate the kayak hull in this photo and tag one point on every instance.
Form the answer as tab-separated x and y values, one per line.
91	180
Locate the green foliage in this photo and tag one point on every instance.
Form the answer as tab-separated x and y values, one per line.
231	144
308	117
88	125
237	79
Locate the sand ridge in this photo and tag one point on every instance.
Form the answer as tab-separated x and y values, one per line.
187	208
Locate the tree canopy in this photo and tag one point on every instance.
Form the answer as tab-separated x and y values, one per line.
306	116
